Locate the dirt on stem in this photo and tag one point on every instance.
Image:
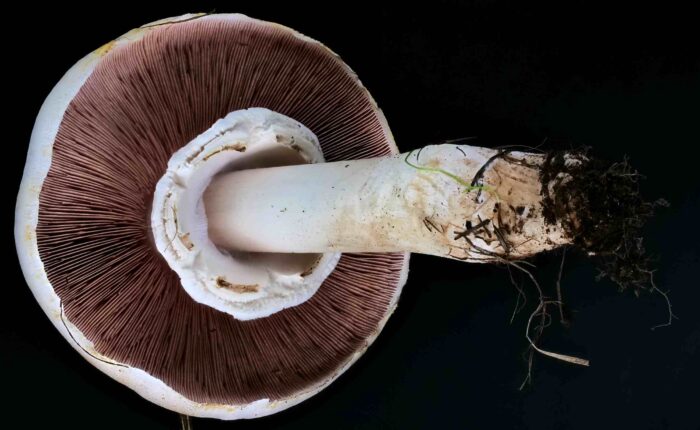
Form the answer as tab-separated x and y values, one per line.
600	208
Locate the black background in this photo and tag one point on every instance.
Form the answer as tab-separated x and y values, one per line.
624	81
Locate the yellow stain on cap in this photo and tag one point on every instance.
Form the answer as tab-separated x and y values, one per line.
104	49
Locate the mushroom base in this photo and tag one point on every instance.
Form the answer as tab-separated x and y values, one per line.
245	285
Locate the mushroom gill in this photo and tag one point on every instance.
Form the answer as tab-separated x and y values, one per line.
144	101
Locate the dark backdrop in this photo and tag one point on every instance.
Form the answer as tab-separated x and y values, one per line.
624	81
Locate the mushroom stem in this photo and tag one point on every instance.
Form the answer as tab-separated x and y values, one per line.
453	201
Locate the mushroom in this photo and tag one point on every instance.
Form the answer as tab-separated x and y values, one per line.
103	140
214	213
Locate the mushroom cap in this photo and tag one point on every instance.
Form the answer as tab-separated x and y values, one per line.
100	143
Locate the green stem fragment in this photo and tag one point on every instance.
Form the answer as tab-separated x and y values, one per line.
467	186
